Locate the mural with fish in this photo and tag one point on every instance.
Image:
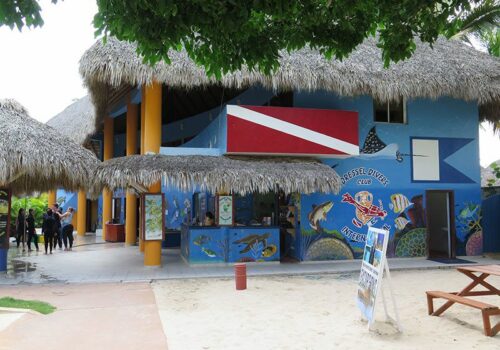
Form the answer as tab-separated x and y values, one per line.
228	244
178	208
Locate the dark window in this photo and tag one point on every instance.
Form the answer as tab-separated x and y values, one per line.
390	112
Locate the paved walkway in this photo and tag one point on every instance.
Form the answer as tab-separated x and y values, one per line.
95	261
88	316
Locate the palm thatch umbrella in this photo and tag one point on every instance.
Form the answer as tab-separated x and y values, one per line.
77	121
35	157
449	68
211	173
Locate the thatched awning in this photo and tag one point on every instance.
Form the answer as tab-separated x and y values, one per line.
450	68
35	157
77	121
219	174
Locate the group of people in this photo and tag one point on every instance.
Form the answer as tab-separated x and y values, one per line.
56	228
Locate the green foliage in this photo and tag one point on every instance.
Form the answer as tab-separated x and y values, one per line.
39	204
20	13
224	35
496	173
39	306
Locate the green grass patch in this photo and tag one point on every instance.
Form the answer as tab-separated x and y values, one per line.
40	306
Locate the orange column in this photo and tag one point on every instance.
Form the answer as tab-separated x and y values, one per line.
152	143
131	208
107	195
51	198
81	213
143	121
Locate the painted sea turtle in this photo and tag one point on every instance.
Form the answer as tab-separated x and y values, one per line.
412	243
329	249
250	240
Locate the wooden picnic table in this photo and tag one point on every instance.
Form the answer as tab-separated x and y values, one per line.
478	274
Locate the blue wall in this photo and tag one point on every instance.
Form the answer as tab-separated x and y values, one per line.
386	180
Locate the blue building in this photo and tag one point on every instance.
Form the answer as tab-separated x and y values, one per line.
403	140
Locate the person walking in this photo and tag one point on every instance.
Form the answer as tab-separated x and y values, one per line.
31	230
20	227
49	227
67	228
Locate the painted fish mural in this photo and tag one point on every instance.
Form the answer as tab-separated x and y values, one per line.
399	203
269	251
366	212
250	240
201	240
209	252
375	148
318	214
401	222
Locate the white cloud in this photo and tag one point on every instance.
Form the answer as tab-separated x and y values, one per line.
39	67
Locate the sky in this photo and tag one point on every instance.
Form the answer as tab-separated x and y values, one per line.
39	67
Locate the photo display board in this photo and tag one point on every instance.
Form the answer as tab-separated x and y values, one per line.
153	218
4	217
372	271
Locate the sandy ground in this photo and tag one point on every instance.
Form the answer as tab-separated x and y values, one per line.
314	312
88	316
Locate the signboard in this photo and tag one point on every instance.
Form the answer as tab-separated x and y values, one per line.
292	131
372	271
225	211
153	218
4	218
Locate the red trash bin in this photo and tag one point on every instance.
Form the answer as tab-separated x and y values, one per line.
240	275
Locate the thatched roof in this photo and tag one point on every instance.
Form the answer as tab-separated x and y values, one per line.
35	157
77	121
450	68
219	174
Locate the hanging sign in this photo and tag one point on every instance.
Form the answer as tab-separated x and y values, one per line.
225	211
153	218
4	218
372	268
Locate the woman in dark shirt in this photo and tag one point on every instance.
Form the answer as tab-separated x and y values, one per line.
31	230
20	227
49	227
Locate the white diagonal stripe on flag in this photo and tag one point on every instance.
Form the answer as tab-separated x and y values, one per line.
292	129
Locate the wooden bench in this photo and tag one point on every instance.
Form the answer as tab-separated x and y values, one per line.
487	310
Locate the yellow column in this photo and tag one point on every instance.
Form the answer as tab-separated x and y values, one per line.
143	120
82	213
107	195
52	198
152	143
131	208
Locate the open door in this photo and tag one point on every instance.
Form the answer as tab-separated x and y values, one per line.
440	224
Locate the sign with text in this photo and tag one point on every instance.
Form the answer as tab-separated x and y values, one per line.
153	218
225	211
372	271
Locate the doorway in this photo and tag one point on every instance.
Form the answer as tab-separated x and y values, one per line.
440	206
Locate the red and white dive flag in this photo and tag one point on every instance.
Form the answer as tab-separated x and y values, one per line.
291	131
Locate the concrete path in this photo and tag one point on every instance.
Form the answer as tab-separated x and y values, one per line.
89	316
95	261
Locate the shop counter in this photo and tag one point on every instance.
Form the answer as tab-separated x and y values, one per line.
115	233
211	244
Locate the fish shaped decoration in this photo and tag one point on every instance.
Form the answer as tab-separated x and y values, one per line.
401	222
209	252
399	203
201	240
318	214
269	251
